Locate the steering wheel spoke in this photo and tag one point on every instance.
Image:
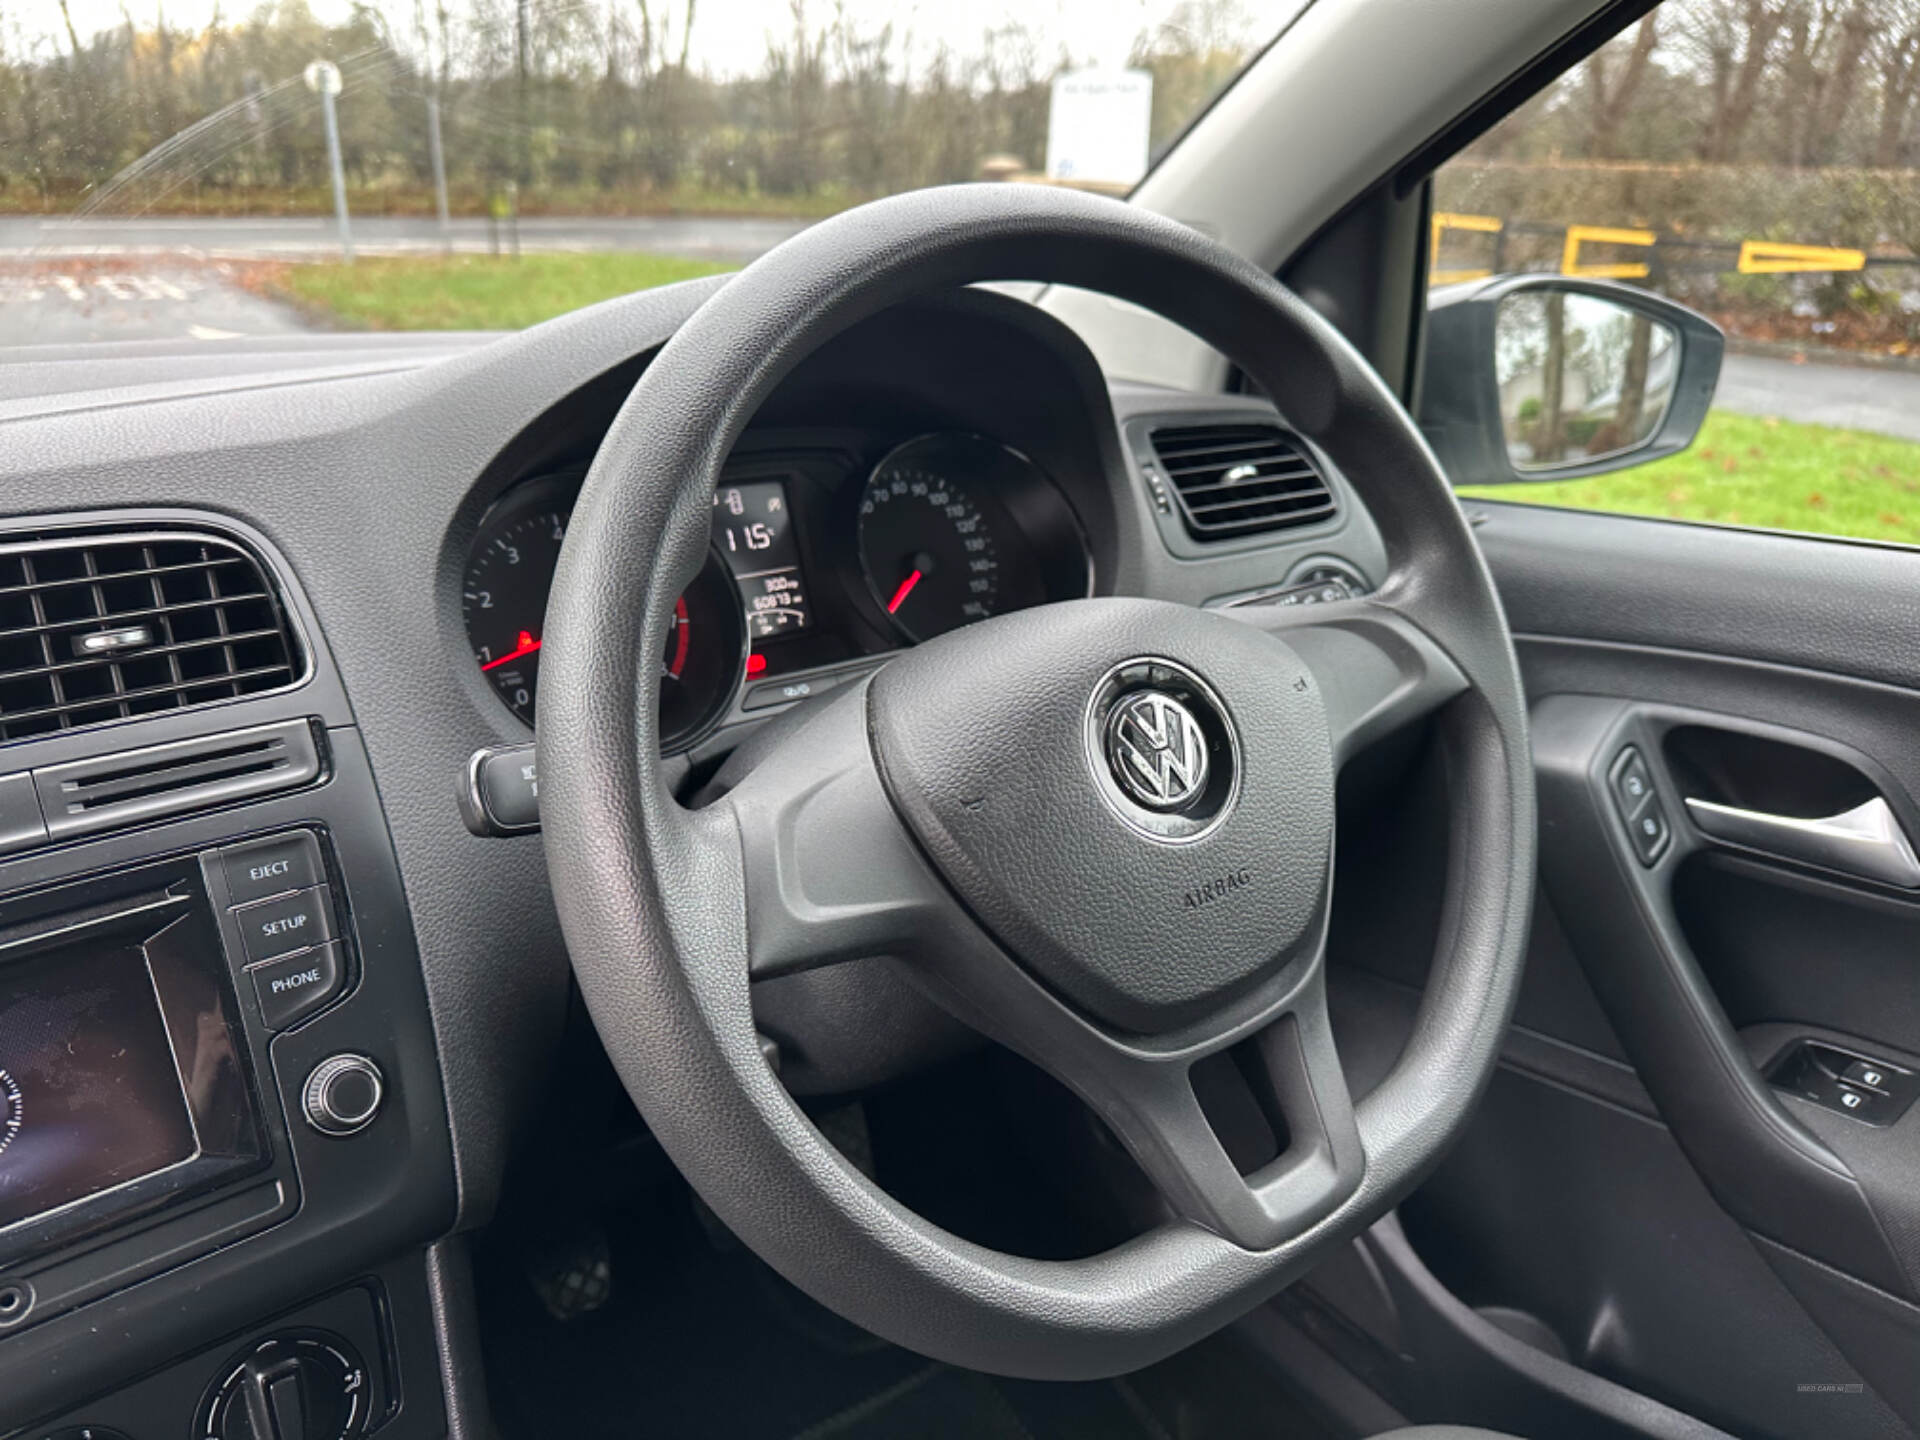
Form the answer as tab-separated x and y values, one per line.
1294	1074
830	873
1377	669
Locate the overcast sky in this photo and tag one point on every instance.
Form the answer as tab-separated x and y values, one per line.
730	35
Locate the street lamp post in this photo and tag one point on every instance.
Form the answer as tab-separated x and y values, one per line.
323	77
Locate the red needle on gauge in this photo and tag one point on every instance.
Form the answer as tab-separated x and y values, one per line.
526	646
900	595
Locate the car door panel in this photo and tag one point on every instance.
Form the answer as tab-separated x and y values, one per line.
1569	1218
1634	1133
1838	607
1767	1170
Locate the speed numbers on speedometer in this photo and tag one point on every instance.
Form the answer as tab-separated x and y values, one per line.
927	546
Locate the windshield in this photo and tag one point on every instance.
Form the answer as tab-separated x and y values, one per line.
189	170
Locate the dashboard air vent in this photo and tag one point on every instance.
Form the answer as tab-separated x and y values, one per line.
104	627
108	791
1239	480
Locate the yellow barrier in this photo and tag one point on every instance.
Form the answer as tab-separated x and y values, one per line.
1757	257
1445	220
1770	257
1577	235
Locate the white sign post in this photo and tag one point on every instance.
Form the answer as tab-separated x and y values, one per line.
1098	126
323	77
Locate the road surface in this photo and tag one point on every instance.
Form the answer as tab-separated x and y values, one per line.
1853	397
76	305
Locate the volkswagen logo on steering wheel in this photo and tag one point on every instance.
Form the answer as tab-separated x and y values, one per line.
1157	750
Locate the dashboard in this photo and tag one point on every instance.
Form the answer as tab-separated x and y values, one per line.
828	550
270	601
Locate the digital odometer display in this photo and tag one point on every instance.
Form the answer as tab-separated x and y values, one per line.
753	529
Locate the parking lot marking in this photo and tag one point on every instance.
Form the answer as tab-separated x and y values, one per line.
124	287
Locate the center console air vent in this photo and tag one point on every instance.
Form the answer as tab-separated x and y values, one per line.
105	627
1233	481
109	791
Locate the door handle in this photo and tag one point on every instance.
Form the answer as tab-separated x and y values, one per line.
1866	841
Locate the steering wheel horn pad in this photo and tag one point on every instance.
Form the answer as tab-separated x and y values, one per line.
953	814
982	740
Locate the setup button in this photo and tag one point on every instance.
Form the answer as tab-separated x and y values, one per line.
277	927
293	988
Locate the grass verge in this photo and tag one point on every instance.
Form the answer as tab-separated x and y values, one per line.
1760	471
466	292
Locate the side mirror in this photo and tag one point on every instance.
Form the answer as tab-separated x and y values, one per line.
1550	377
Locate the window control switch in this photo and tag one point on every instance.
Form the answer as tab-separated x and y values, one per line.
1867	1105
1649	832
1632	785
1634	801
1868	1075
1875	1092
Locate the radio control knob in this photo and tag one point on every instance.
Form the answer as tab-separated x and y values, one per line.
343	1094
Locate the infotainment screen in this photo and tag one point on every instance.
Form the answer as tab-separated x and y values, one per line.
90	1094
124	1083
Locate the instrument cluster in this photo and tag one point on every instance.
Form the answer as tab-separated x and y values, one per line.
827	548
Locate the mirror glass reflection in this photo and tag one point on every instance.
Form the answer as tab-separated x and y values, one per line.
1580	377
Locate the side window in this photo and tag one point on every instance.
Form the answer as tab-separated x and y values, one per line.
1758	162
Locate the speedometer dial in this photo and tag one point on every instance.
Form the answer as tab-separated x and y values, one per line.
935	546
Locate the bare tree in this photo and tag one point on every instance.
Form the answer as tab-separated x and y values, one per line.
1820	64
1897	49
1734	42
73	36
1611	88
1197	48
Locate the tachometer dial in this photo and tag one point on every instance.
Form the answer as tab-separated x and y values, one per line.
504	593
11	1115
504	600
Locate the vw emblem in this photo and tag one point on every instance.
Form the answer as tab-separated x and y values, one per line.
1157	750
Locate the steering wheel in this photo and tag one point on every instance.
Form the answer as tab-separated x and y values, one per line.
1100	832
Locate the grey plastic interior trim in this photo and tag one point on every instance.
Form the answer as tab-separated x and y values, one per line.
1342	97
1866	841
